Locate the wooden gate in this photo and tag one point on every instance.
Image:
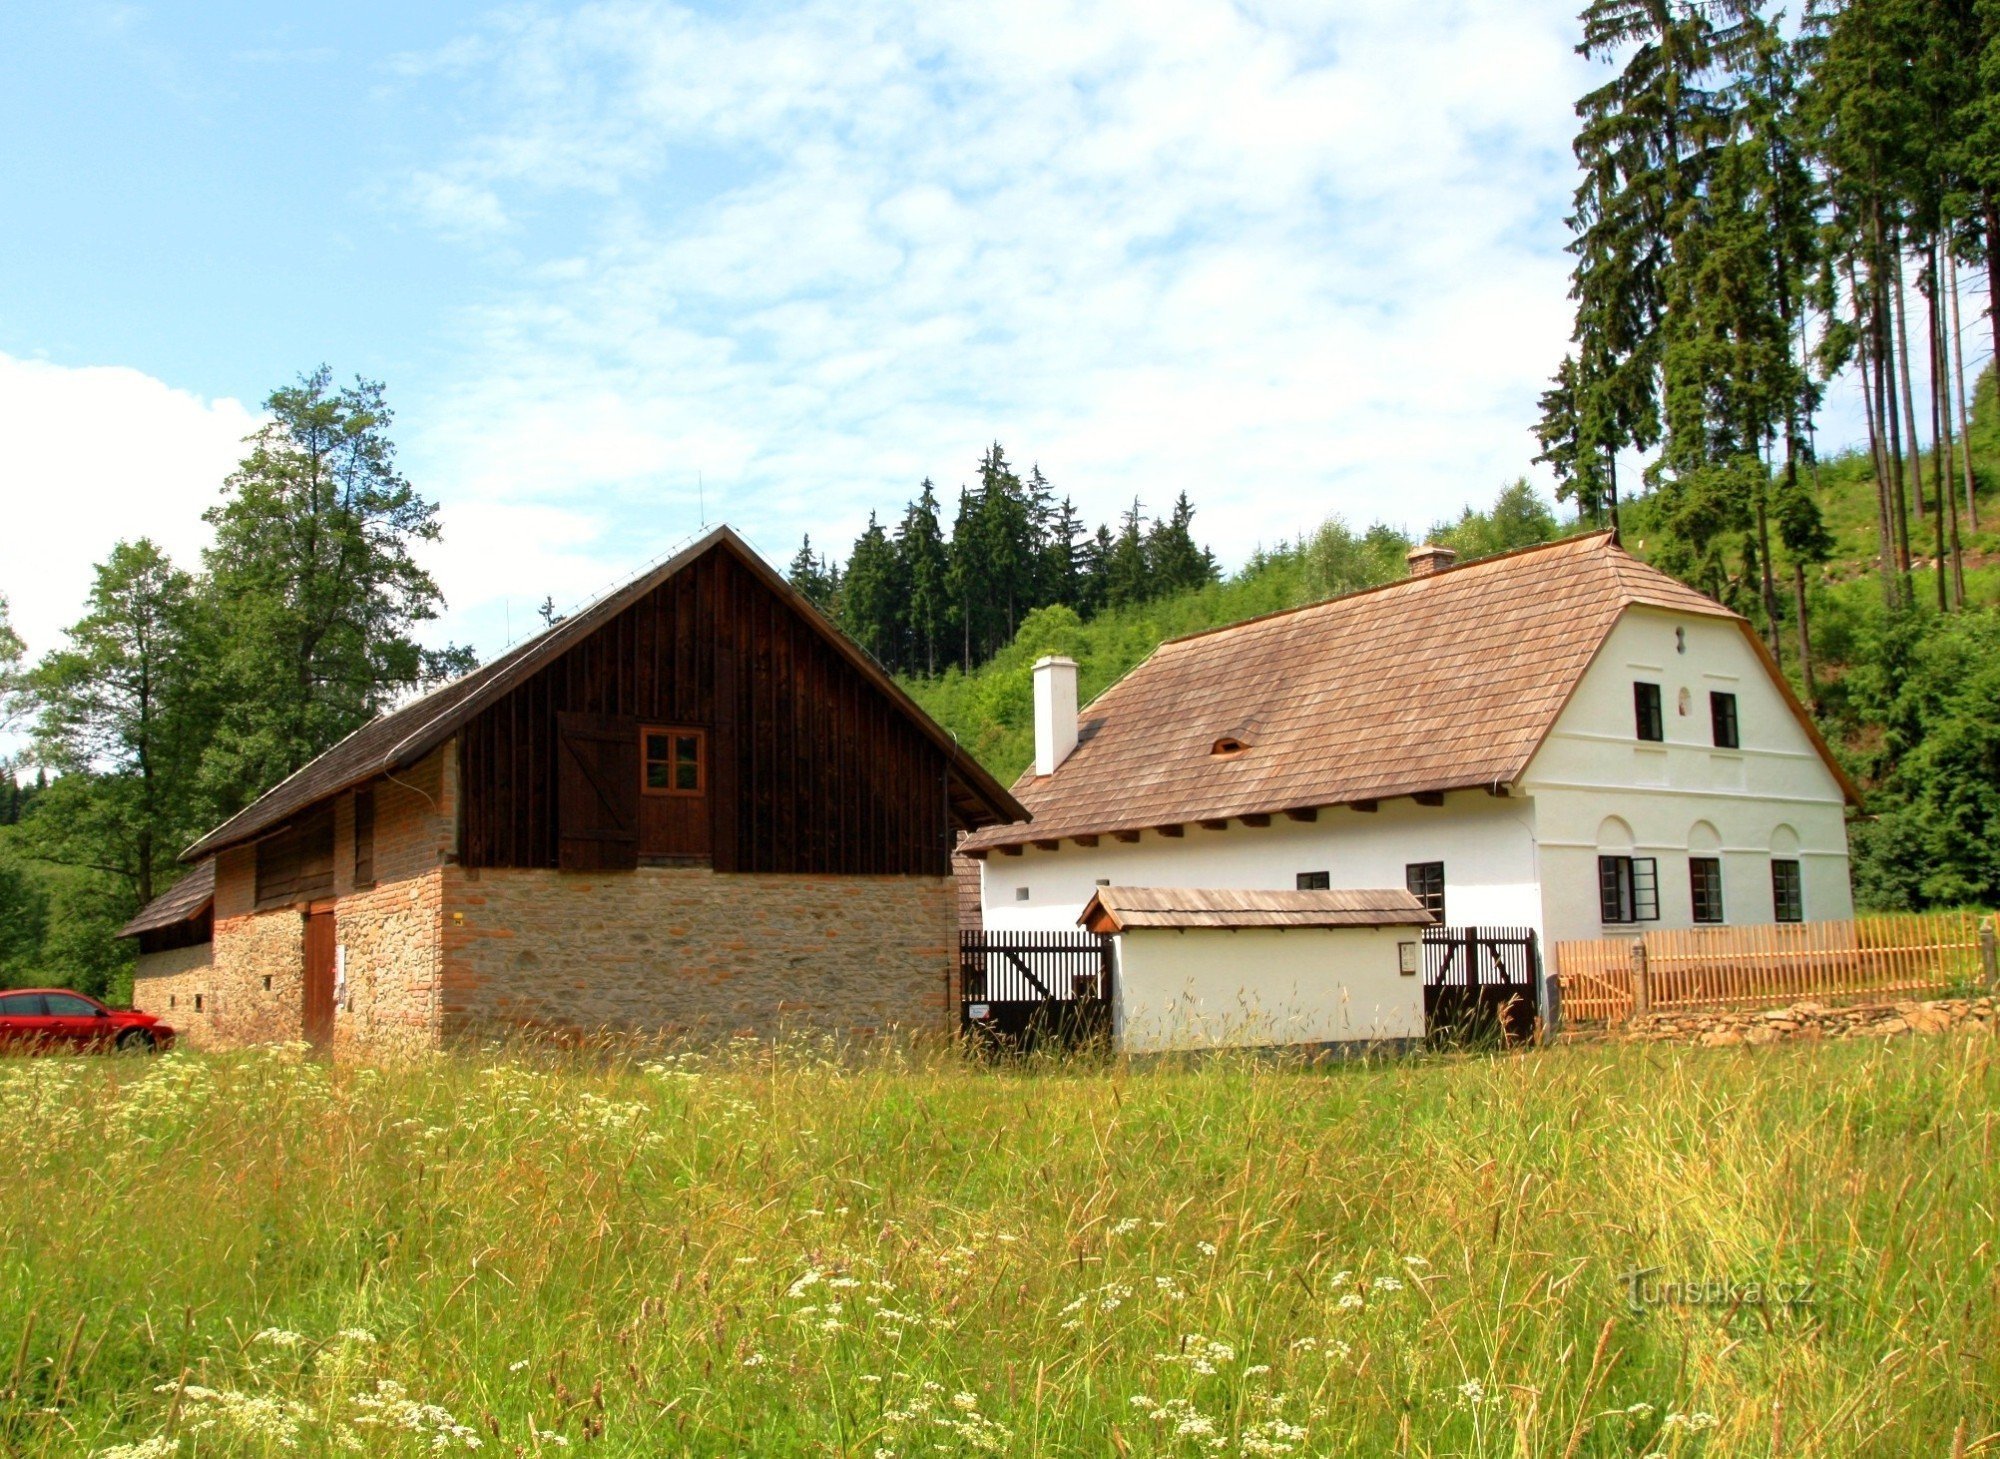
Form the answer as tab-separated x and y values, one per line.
1018	990
1481	983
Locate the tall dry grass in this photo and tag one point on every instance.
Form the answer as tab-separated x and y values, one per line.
778	1252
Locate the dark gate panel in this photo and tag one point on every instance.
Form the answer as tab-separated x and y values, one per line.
1021	989
1481	982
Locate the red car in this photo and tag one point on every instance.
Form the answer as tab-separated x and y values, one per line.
56	1018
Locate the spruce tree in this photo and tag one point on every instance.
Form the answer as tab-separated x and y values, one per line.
925	570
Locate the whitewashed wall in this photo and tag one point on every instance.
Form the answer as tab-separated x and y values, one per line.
1263	987
1597	789
1486	844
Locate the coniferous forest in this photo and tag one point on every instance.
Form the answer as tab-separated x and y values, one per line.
1769	210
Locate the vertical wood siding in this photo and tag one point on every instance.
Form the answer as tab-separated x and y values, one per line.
810	770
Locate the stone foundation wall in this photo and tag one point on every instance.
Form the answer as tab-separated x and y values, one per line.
691	951
1809	1021
170	983
391	954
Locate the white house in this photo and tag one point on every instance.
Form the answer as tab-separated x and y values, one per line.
1560	738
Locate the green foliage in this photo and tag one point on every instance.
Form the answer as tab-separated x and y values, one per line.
125	716
1932	684
1518	518
315	585
12	653
24	913
991	709
774	1253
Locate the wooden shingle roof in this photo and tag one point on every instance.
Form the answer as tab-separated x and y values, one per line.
1118	909
1444	682
404	736
179	903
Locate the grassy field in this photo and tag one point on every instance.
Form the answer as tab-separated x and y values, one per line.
778	1253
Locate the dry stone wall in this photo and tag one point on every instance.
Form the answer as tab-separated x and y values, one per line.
1810	1020
689	951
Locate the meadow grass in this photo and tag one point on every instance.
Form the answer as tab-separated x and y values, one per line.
777	1251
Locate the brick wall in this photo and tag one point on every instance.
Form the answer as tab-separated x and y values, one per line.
688	950
253	986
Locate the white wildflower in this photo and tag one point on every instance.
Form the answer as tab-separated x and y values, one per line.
160	1446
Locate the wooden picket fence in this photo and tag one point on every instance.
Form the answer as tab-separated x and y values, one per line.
1889	956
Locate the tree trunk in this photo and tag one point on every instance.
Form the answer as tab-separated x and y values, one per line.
1611	462
1767	590
1964	405
1885	406
1886	532
1943	454
1991	200
1805	638
1901	314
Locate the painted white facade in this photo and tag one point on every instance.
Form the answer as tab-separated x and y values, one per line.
1530	858
1258	987
1597	790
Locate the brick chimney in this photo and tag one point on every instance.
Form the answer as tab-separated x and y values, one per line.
1055	712
1429	558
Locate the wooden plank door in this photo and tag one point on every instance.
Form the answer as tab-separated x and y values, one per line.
319	980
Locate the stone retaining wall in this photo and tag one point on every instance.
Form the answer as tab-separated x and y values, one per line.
1809	1020
686	950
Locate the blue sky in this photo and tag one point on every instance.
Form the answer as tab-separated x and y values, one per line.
620	261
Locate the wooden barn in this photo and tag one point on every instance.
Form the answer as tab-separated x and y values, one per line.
695	806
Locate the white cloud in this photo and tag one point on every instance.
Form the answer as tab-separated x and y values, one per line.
1289	261
92	456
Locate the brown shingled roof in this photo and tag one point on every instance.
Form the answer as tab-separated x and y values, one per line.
1118	909
178	903
1444	682
404	736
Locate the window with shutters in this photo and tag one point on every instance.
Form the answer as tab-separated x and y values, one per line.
1628	889
296	865
364	836
675	761
597	792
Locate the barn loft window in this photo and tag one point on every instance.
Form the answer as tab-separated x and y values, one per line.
1650	723
675	761
1227	745
297	864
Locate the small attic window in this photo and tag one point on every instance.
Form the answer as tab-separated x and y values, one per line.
1228	745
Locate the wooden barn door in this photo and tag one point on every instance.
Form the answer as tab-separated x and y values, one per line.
597	791
319	980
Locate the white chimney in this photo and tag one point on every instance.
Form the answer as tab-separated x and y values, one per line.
1055	712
